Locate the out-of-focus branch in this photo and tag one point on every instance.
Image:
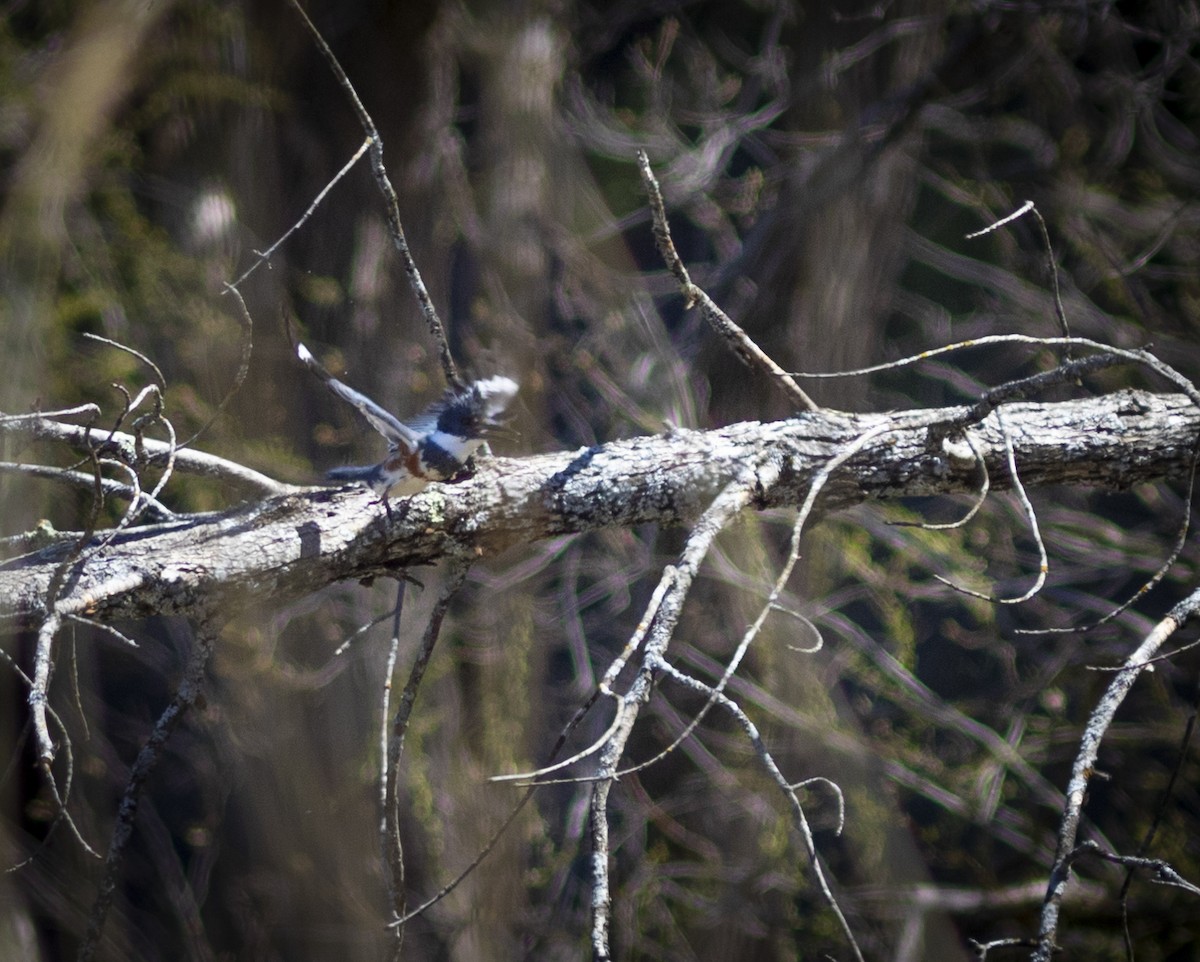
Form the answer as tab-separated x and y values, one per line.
186	695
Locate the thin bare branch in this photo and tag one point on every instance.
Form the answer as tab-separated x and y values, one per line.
125	448
1034	530
1051	265
391	204
1065	372
490	844
91	410
112	488
1156	822
62	816
1085	762
393	855
1162	872
736	339
243	370
391	841
599	743
158	374
768	762
204	639
264	256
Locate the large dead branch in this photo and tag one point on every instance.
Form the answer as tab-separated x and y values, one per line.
290	544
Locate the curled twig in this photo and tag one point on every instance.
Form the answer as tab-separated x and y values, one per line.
1034	530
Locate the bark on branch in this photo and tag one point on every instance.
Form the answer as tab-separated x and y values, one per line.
291	544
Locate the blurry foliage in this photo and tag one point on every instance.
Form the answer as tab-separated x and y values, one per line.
823	163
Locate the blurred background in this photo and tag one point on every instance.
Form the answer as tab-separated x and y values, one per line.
822	164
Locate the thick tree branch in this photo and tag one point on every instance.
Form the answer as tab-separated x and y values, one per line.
298	542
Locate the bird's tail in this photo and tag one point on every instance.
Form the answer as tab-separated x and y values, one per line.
371	475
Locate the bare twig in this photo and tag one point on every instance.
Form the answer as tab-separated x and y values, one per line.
396	894
736	339
1065	372
1051	266
158	375
203	642
768	762
391	204
488	846
1161	871
391	841
39	692
362	630
125	448
91	410
60	802
1034	530
243	368
111	487
102	627
675	582
1085	761
264	256
1150	583
1148	839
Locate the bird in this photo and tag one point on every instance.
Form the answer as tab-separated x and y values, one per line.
435	445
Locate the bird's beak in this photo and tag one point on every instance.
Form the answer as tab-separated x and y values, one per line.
501	432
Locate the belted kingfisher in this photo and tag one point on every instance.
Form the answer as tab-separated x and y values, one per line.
435	445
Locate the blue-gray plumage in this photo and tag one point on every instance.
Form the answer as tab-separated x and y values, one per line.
434	446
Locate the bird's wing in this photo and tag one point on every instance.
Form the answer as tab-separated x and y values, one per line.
427	421
397	433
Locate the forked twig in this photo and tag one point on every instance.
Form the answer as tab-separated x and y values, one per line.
127	447
1062	373
789	790
60	802
820	479
1085	761
1051	266
490	844
130	492
660	620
